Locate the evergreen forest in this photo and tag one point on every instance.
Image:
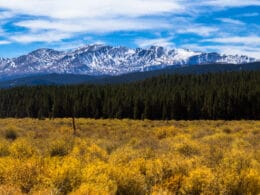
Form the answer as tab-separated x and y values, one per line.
229	96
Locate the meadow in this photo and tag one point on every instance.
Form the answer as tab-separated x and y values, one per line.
129	157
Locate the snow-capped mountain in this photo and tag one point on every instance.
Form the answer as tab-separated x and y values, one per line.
108	60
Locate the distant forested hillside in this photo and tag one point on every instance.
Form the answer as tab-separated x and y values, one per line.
232	95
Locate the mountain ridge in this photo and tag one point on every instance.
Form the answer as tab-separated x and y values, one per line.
98	59
71	79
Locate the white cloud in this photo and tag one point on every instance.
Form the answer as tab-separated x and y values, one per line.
248	40
249	14
1	32
81	16
94	25
232	3
62	46
56	20
227	49
198	29
76	9
164	42
4	42
49	36
6	15
231	21
67	9
247	45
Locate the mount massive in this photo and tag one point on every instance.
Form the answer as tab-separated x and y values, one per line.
108	60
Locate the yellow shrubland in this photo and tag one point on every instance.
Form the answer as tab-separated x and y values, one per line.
129	157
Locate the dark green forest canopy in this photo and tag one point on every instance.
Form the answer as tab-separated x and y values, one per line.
233	95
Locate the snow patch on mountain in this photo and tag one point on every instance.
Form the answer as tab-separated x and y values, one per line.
107	60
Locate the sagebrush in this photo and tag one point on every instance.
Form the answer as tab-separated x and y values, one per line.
129	157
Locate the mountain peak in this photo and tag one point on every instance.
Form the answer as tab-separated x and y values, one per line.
100	59
41	50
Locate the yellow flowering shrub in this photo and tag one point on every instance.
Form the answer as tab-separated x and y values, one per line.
199	181
239	173
8	189
64	175
129	180
22	148
4	148
97	179
60	147
25	175
113	157
166	131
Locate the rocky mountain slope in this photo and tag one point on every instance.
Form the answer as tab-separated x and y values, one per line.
108	60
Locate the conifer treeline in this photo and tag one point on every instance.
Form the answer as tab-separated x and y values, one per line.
209	96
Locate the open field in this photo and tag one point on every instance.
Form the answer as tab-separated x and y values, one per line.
129	157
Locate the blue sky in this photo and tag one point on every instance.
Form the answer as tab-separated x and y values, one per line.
225	26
